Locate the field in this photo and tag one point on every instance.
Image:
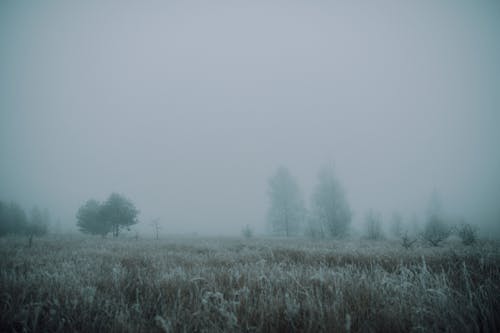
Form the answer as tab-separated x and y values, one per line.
70	284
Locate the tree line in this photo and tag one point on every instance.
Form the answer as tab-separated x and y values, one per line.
15	221
329	214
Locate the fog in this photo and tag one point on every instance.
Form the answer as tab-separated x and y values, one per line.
188	107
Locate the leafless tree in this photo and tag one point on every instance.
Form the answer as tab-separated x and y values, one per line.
155	223
373	225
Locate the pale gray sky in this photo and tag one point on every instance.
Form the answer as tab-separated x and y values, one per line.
187	107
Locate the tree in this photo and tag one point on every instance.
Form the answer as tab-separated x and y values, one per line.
88	219
436	230
118	212
38	224
314	228
329	205
247	231
13	219
115	213
286	212
155	223
396	226
373	225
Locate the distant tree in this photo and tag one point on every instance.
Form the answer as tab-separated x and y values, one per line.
118	212
4	222
88	219
56	227
414	226
396	226
330	208
38	224
373	226
39	221
435	230
314	228
247	231
13	219
155	223
287	211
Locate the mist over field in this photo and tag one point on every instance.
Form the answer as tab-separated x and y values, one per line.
249	166
187	108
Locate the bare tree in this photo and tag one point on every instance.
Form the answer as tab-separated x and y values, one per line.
396	226
38	224
247	231
155	223
407	241
373	225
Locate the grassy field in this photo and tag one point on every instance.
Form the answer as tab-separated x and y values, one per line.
257	285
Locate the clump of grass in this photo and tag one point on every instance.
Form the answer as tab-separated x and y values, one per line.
246	285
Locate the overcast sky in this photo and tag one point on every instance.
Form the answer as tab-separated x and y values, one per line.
188	107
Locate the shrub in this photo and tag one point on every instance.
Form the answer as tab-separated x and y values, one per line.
406	241
435	231
467	233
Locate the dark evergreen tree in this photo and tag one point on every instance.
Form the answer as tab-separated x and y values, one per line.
88	219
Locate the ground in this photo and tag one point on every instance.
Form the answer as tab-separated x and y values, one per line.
91	284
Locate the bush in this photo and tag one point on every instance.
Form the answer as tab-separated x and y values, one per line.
467	233
435	231
407	241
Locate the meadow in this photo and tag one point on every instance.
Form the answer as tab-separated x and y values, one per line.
177	284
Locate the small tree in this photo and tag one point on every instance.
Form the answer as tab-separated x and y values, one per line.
286	212
329	205
247	231
155	223
396	226
37	225
89	221
13	219
373	225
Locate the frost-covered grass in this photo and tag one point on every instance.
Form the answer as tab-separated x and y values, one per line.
245	285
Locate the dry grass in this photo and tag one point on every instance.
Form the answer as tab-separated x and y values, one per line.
254	285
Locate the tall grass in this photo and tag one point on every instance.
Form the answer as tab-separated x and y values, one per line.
246	285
